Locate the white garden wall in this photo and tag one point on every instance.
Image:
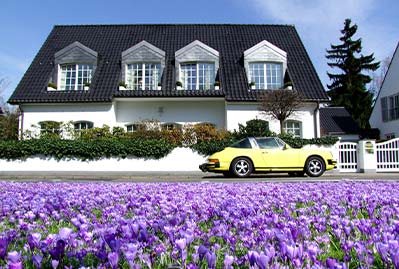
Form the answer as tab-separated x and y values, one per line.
180	159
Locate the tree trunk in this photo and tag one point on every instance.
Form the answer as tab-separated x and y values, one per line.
281	126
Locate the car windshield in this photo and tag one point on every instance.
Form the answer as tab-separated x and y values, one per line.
242	144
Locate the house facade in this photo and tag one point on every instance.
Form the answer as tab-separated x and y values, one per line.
121	75
385	114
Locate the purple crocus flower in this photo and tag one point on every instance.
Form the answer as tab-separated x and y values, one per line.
37	261
34	240
54	264
113	259
4	241
181	243
65	233
263	261
211	259
330	263
14	260
252	257
228	261
202	250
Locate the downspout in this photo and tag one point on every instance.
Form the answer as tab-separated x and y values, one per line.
316	118
21	123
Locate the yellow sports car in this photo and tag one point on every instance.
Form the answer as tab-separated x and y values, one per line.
268	154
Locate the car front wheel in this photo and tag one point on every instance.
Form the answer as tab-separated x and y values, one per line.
241	167
315	167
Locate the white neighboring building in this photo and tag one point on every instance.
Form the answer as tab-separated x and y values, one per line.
385	115
176	74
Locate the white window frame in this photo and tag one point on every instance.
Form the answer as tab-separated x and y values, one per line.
75	88
265	77
169	126
129	75
87	123
390	107
291	129
52	130
135	127
197	64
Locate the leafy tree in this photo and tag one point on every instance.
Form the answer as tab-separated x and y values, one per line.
9	125
348	88
280	104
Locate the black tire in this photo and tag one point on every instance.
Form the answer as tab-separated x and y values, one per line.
315	166
241	167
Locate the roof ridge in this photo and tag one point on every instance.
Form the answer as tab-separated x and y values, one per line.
175	24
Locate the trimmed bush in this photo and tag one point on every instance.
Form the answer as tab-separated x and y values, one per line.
85	149
254	128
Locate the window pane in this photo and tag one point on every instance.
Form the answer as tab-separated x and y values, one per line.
266	75
257	75
189	76
206	76
293	127
152	76
73	77
134	76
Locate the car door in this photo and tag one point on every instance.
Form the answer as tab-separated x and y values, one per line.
277	156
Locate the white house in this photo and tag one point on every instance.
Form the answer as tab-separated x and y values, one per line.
120	75
385	115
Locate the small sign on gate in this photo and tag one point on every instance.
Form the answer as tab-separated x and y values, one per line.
369	147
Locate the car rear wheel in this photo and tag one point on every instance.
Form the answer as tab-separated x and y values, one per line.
241	167
315	166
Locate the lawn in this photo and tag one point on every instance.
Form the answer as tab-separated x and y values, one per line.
199	225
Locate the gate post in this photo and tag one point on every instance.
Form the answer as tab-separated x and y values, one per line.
367	156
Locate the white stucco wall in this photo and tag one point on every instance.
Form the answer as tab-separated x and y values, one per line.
99	114
184	111
241	113
123	112
390	87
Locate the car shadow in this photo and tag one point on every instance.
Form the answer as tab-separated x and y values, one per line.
256	176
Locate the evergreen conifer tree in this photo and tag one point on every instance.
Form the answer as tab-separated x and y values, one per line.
348	88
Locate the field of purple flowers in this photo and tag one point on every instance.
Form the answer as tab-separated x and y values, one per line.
194	225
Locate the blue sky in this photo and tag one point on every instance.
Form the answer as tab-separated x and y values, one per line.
25	24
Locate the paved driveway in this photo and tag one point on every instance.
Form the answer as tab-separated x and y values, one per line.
182	177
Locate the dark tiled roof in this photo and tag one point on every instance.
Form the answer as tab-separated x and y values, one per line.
110	40
337	120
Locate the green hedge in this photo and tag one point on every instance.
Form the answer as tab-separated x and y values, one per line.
207	148
85	150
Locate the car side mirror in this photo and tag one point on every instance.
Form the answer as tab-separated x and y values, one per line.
285	147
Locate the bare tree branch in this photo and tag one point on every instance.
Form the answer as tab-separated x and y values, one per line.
280	104
4	83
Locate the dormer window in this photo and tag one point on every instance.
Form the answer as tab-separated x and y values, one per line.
143	76
265	65
76	65
196	66
75	76
197	76
266	75
142	66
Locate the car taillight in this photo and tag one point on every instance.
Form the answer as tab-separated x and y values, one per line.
213	160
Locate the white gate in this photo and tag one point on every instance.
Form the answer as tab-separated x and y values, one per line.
388	156
347	157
